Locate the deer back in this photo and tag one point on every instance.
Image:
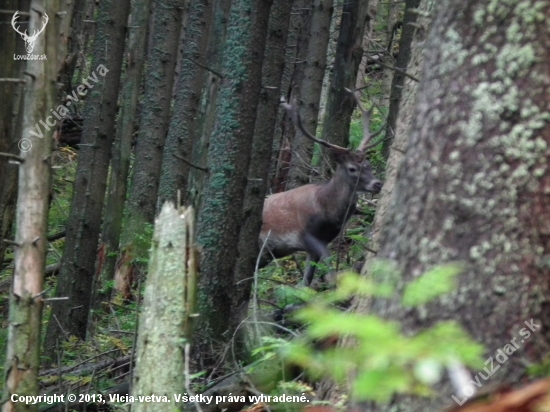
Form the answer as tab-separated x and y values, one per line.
317	211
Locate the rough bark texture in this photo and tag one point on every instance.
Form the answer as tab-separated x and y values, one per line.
475	181
402	132
293	74
208	101
391	14
159	79
164	322
310	92
183	123
76	273
402	63
26	299
11	97
220	217
257	183
75	40
122	146
349	51
404	120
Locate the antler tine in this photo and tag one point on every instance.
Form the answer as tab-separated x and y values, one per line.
14	21
367	137
292	111
37	32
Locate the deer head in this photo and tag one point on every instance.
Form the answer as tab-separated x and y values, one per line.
29	40
353	168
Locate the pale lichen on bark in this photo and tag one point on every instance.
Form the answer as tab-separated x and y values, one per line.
475	181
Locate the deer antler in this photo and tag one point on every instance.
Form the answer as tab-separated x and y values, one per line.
367	137
36	33
14	21
292	111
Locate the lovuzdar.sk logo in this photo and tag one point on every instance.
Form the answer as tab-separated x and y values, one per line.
29	40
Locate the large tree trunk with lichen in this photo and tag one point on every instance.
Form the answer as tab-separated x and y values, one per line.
473	186
220	217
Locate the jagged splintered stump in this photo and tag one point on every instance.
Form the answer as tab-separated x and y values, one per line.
164	324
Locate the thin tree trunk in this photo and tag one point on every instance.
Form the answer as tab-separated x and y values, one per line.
26	297
293	74
11	94
391	20
257	181
120	162
355	17
402	63
159	80
208	98
182	135
75	279
75	27
310	92
220	217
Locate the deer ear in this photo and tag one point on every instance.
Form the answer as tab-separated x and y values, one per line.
339	155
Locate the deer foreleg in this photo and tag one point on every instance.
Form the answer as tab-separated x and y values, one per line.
316	250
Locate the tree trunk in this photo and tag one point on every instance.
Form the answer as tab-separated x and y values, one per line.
293	75
208	98
75	47
404	120
349	53
11	94
474	184
75	279
257	181
120	162
26	297
183	124
402	63
164	325
159	79
391	16
407	106
220	217
310	92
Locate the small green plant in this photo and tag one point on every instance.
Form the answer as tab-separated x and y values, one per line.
384	361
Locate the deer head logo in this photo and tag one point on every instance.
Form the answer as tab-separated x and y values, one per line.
29	40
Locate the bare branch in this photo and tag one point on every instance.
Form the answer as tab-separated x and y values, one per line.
12	80
12	156
183	159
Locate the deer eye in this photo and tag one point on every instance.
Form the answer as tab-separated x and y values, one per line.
352	169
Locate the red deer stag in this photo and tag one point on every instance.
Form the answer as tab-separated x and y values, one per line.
309	217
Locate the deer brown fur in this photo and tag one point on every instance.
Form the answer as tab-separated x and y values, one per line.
309	217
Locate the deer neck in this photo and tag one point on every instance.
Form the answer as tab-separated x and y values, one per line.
337	198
